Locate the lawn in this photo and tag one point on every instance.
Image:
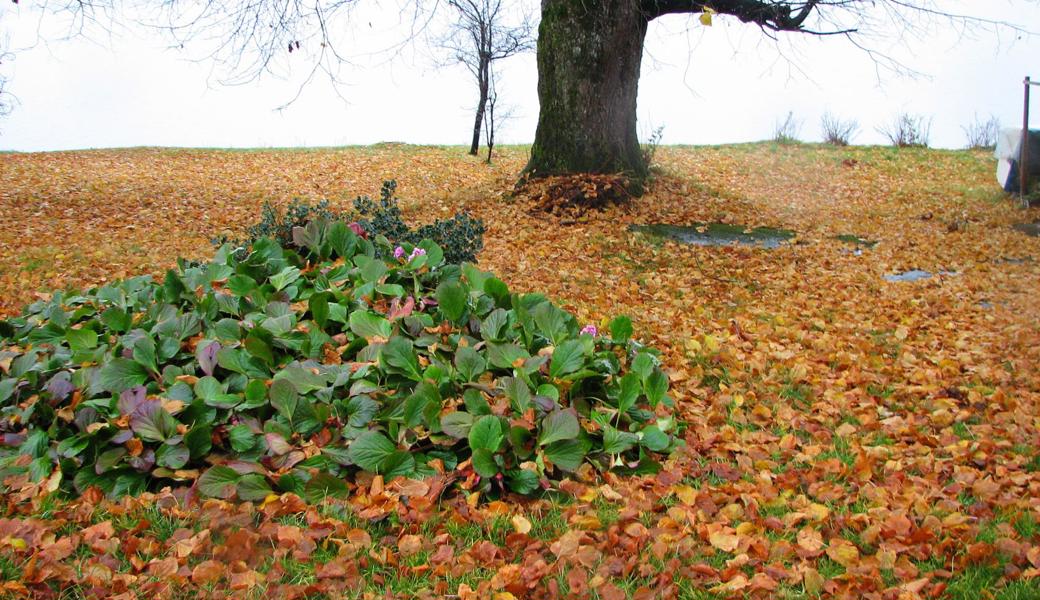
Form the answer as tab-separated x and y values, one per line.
846	436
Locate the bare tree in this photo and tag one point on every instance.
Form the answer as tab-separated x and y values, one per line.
6	99
484	34
495	116
490	117
5	96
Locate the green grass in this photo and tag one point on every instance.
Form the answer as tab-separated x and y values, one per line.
161	525
715	376
881	439
840	451
778	510
971	583
10	567
797	393
549	525
607	512
960	429
883	392
1026	526
829	569
468	533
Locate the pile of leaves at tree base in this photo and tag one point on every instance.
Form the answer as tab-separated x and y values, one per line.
571	196
285	371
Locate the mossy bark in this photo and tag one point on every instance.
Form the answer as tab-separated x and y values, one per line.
589	56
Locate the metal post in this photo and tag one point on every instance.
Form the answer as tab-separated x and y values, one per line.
1023	165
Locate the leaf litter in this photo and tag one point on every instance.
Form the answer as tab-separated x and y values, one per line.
845	436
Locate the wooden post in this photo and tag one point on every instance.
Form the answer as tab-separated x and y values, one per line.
1023	165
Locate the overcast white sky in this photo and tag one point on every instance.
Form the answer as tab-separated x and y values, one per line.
704	85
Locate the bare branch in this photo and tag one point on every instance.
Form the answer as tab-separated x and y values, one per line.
484	33
7	100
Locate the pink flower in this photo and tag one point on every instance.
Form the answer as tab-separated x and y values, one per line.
417	252
590	330
398	252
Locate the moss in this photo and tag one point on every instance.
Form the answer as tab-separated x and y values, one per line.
585	48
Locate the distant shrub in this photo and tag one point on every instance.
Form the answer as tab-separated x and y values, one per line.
292	369
788	130
908	131
982	134
836	131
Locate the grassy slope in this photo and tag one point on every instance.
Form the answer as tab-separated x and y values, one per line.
816	395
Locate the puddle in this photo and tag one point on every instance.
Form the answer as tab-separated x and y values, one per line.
915	275
1031	229
718	234
848	238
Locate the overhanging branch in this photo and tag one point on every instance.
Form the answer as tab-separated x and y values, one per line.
773	16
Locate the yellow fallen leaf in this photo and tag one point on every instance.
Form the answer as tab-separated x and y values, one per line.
813	581
733	585
843	552
727	542
521	524
686	494
818	512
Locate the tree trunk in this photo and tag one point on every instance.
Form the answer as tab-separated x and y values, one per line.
589	55
482	84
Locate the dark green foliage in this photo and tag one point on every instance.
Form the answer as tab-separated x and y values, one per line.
274	369
461	237
383	217
278	226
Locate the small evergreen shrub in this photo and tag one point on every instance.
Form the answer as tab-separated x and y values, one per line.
278	226
461	237
291	369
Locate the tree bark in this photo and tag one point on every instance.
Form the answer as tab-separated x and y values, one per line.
589	56
483	86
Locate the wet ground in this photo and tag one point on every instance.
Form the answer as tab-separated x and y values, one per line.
718	234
